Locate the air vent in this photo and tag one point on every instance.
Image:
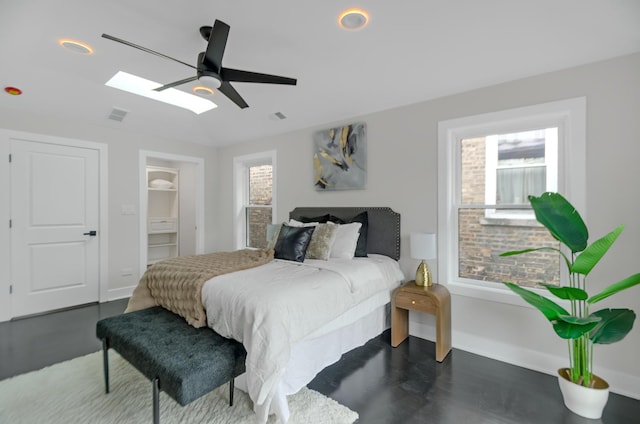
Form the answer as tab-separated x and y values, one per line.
280	115
118	114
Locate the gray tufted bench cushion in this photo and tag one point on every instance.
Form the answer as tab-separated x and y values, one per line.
183	361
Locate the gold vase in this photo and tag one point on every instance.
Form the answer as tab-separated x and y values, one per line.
423	275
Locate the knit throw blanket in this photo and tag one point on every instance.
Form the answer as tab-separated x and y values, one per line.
176	283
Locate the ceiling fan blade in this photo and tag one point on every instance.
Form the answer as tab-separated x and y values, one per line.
232	94
246	76
175	83
144	49
216	45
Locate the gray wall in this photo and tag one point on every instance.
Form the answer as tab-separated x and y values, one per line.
402	164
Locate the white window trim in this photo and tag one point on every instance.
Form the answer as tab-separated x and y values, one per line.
241	165
570	117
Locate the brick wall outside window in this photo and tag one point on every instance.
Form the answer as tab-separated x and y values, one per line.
260	193
481	240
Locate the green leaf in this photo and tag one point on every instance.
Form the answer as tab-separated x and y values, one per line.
615	324
561	219
572	319
519	252
615	288
549	309
536	249
570	327
566	292
588	259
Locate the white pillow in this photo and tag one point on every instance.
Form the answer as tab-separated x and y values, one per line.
344	246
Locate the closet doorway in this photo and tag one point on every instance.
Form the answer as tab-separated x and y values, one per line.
171	206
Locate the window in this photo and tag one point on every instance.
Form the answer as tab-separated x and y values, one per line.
254	198
258	212
488	166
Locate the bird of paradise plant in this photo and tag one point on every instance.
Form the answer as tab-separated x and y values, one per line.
580	327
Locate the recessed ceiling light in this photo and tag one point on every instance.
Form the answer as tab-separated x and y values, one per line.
13	91
75	46
144	87
353	19
202	90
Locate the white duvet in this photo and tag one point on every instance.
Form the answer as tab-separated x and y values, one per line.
270	307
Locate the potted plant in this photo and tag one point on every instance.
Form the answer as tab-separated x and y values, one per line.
580	326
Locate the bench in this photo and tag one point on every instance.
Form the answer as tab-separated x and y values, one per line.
183	361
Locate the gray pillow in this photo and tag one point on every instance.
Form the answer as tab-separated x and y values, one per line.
321	241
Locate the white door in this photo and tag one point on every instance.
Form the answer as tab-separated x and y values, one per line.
54	214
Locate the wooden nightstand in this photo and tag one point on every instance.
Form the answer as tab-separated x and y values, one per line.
434	300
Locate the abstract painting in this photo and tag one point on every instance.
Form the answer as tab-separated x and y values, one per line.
340	158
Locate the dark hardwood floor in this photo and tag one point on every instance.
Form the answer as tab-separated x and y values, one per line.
383	384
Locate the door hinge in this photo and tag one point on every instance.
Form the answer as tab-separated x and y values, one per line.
11	289
10	223
9	157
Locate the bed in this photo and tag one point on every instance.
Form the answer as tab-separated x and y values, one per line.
296	318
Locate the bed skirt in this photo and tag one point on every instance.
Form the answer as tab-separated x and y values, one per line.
326	346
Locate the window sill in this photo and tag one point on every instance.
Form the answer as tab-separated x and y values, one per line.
494	292
510	222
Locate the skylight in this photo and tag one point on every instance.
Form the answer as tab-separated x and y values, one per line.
144	87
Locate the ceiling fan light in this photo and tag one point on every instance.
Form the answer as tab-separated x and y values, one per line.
353	19
210	81
202	90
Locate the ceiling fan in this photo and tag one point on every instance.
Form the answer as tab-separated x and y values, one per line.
209	67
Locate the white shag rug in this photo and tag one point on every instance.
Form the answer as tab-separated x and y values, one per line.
73	392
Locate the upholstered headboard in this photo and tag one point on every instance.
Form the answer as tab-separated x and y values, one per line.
383	236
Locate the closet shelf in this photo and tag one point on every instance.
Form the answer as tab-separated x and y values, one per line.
175	190
152	245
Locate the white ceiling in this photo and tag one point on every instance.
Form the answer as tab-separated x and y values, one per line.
412	51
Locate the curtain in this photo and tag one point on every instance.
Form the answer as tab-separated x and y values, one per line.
515	184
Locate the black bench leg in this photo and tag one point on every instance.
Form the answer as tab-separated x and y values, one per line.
231	384
156	400
105	356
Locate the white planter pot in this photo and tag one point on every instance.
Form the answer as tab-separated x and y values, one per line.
587	402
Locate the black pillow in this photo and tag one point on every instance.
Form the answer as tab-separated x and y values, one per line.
362	218
321	219
293	242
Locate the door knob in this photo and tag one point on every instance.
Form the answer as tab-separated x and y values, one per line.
90	233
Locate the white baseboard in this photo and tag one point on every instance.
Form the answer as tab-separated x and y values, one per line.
623	384
121	293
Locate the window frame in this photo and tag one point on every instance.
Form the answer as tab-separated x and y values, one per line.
241	165
570	118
